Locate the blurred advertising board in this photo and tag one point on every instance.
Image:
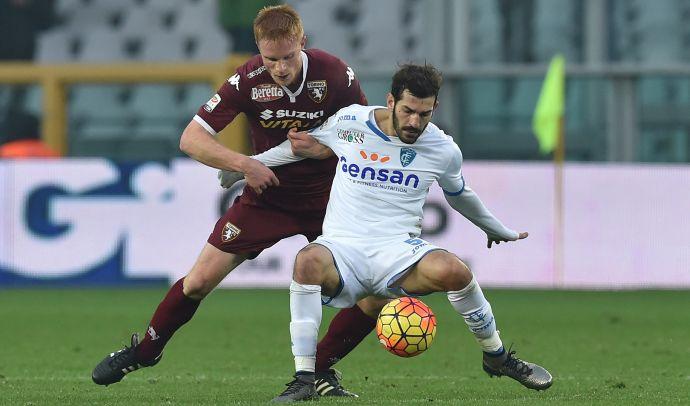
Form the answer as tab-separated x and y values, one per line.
93	222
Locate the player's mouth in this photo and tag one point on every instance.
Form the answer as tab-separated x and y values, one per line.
283	78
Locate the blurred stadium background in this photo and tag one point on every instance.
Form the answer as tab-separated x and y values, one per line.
108	86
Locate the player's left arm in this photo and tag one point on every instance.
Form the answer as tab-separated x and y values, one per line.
279	155
466	202
283	153
349	93
302	141
306	146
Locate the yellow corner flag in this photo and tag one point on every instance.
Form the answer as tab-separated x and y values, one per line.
547	115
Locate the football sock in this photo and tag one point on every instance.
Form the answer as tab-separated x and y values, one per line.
305	313
476	310
347	329
175	310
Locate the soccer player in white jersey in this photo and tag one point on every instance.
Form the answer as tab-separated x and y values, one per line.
388	158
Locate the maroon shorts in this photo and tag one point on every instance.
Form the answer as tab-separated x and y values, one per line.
248	228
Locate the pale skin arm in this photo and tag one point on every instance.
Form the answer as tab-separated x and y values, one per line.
306	146
202	146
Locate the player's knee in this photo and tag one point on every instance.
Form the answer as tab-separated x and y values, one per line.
461	276
197	287
452	273
371	306
310	265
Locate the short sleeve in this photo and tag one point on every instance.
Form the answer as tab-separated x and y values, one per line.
223	107
451	181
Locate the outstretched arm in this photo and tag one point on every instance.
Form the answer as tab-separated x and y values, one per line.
470	205
463	200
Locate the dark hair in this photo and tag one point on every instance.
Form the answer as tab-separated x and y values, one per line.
421	80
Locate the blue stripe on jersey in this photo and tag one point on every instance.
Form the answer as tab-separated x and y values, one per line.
376	131
456	193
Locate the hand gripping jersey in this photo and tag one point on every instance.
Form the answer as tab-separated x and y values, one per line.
327	84
380	182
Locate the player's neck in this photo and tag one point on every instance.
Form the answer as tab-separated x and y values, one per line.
296	83
298	77
384	120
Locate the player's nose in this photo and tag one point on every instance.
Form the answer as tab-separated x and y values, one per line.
414	120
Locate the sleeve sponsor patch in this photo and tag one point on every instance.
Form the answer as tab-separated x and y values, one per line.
212	103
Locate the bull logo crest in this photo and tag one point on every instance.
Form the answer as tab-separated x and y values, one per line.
230	232
316	89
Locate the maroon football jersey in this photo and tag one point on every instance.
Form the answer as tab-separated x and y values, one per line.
329	86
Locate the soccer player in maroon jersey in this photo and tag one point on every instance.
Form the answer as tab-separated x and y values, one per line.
284	87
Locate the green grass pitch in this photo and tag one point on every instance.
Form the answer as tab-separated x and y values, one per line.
602	348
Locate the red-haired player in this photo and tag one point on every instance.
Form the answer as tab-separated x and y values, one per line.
284	87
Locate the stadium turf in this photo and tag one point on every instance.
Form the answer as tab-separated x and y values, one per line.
602	347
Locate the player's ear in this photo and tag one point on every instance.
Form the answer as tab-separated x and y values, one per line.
303	42
433	109
390	101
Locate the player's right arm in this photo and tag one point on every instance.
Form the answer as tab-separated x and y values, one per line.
199	142
200	145
279	155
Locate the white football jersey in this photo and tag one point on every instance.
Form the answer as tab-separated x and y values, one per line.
381	183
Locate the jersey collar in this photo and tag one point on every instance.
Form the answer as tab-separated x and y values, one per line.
305	65
371	123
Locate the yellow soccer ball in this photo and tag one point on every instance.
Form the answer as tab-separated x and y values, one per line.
406	327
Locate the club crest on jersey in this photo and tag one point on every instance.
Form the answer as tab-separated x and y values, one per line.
267	92
317	90
407	156
230	232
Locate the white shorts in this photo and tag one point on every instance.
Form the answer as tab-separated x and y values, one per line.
371	266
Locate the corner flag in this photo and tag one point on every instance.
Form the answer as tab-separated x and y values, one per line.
547	115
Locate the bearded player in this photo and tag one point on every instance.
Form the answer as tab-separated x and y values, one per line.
284	87
377	249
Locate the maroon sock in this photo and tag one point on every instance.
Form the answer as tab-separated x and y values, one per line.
175	310
347	329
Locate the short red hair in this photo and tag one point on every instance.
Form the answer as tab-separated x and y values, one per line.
278	23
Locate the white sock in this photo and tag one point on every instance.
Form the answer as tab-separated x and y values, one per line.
476	310
305	311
